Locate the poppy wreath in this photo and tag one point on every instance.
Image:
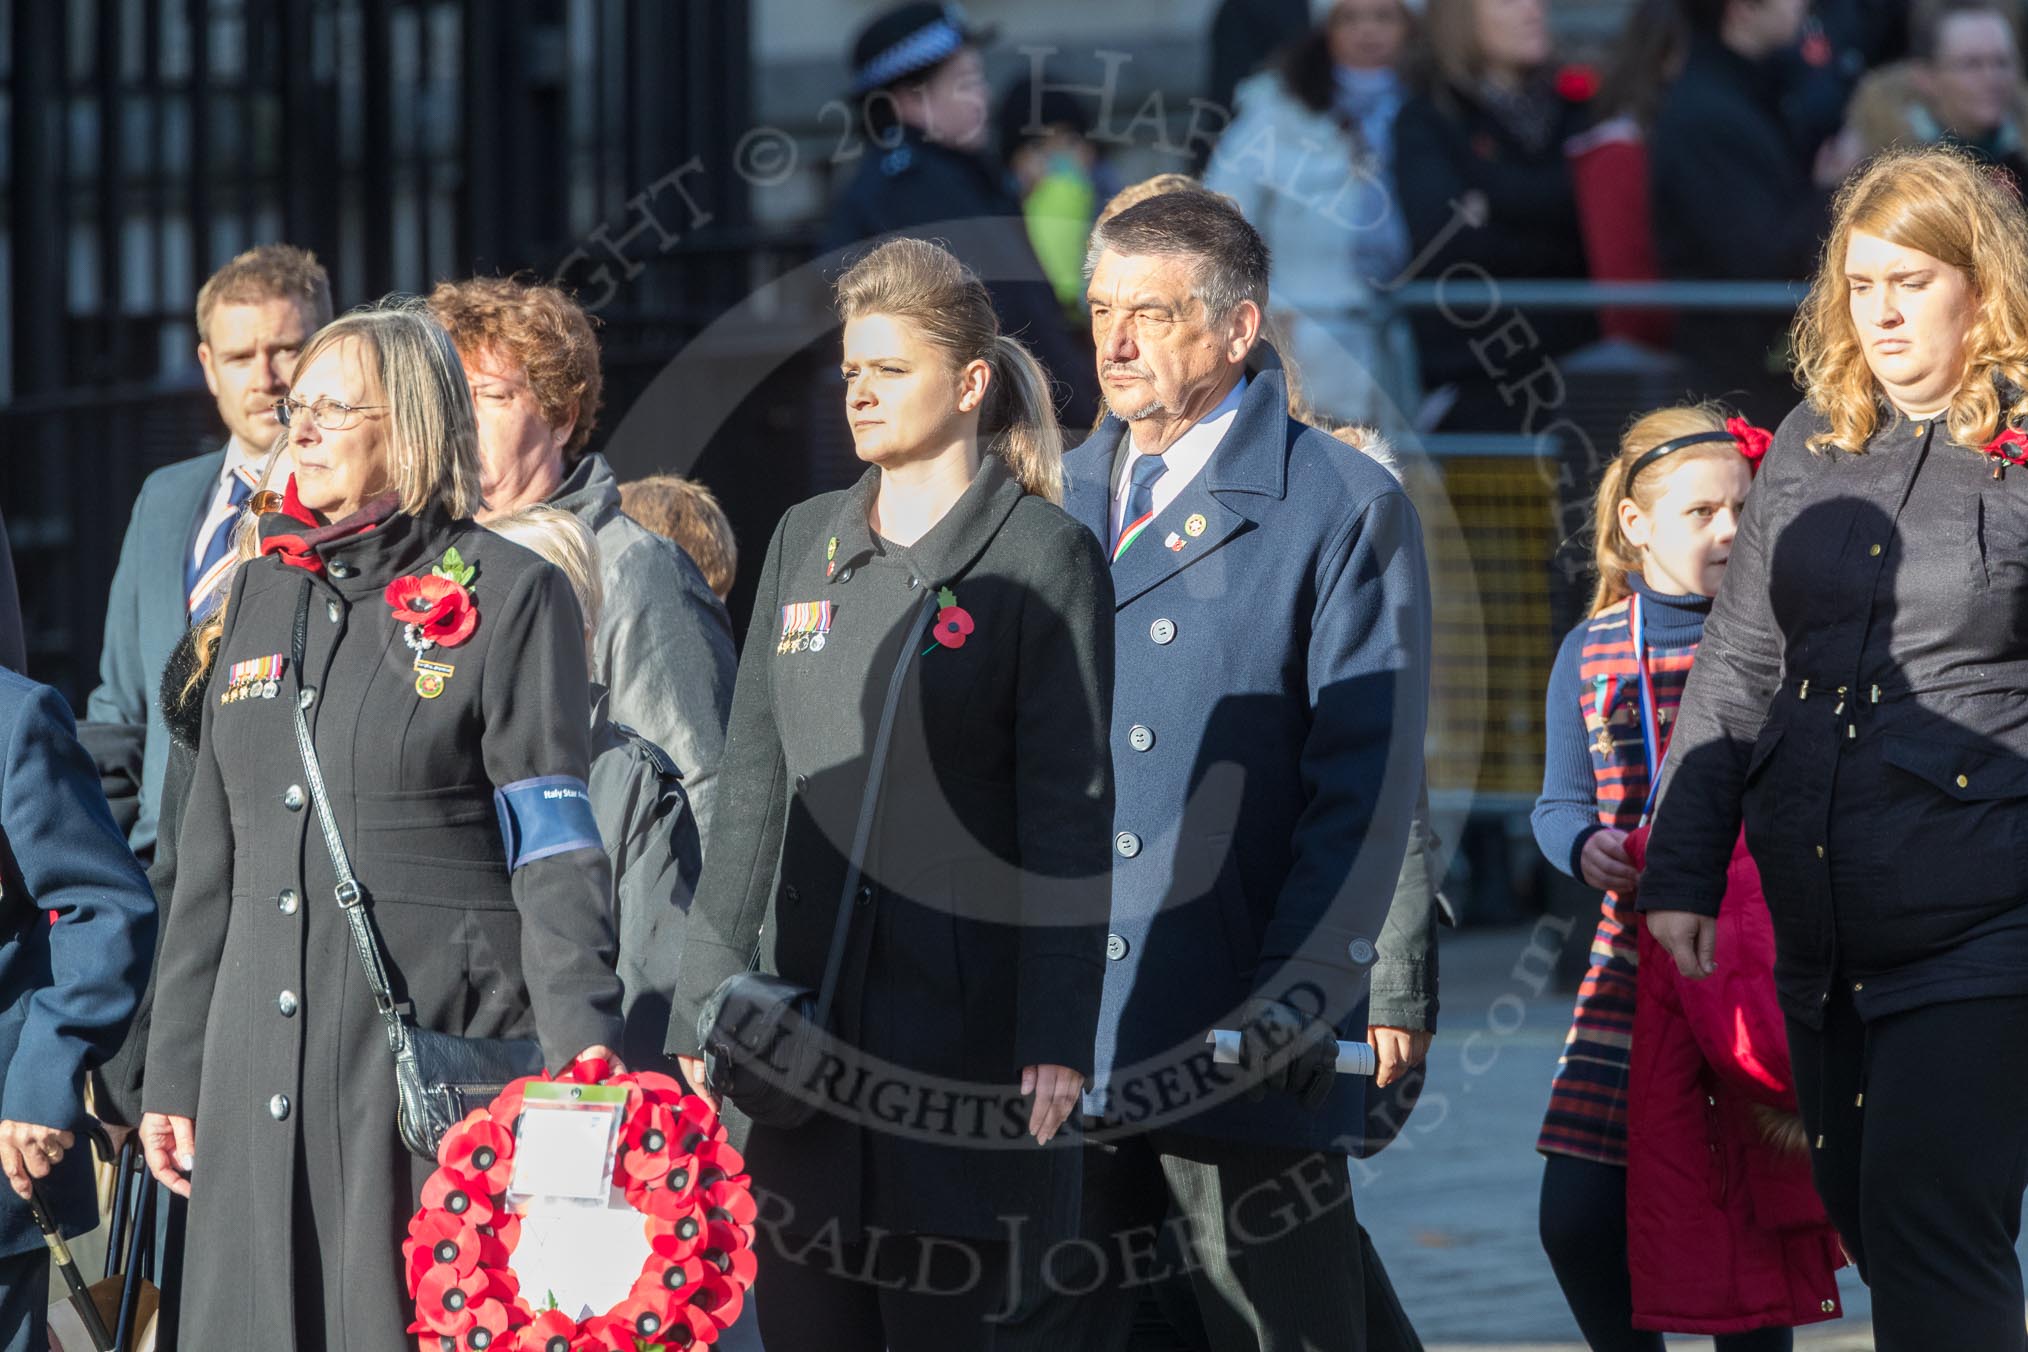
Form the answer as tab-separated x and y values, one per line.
690	1187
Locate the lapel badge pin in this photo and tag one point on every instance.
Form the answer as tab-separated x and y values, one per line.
1195	525
430	676
1175	542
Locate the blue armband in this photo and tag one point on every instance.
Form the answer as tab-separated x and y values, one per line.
550	814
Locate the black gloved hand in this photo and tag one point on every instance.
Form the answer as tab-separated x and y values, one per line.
1281	1047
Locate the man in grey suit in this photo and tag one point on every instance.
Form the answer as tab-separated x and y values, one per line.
253	317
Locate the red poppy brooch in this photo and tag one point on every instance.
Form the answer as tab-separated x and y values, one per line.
953	624
435	609
2009	448
690	1188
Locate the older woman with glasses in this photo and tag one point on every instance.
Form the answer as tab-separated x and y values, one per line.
441	671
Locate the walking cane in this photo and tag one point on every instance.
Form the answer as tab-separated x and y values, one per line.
59	1252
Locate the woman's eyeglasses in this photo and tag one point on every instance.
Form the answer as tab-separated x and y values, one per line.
330	414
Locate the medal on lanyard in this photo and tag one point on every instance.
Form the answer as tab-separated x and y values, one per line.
1651	729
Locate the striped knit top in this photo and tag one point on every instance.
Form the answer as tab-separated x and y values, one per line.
1596	776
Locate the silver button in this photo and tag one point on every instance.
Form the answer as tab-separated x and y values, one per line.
1116	947
292	798
866	894
286	1002
844	574
287	901
914	582
1140	738
342	570
308	697
278	1107
1359	951
1162	631
1128	844
331	611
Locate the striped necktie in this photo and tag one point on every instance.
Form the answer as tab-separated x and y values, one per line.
1140	501
201	579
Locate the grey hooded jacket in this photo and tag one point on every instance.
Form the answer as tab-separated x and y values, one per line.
664	643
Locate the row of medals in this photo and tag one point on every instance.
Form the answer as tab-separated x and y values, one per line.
800	643
250	690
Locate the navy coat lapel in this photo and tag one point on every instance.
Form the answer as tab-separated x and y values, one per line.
1250	462
1088	495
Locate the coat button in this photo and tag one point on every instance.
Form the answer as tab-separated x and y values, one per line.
340	569
914	582
1140	738
1360	951
307	698
1128	844
1116	947
292	798
802	783
1162	631
287	901
844	574
866	894
278	1107
1829	1307
286	1002
1858	986
1964	783
791	895
1873	551
1820	852
331	611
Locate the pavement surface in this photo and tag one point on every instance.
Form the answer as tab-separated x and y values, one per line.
1451	1204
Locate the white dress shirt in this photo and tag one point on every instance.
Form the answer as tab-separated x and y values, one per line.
1182	462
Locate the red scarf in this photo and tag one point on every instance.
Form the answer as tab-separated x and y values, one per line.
300	550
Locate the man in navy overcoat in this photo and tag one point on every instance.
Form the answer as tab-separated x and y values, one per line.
1272	631
77	932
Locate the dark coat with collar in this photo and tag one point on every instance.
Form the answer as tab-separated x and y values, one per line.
302	1190
1272	629
1857	702
145	615
977	942
68	988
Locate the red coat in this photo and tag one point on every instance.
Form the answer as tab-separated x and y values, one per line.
1725	1232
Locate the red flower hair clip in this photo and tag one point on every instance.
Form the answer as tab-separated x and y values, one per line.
1753	441
2009	448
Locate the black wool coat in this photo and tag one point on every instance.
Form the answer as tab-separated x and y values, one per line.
264	1032
1857	701
977	943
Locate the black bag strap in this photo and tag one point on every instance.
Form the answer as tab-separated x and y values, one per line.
364	941
869	801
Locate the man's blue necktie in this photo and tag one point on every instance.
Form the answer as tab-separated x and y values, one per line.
1140	500
237	492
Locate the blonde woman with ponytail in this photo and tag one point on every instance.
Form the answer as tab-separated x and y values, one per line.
917	771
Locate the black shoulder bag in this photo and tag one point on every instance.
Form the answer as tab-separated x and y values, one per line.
438	1077
763	1035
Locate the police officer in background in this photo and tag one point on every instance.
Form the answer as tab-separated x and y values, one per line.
920	83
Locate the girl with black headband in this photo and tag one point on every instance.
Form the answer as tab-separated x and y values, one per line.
1671	1138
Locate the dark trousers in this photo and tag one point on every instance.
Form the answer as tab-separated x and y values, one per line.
887	1293
1168	1321
1583	1223
24	1302
1265	1236
1923	1119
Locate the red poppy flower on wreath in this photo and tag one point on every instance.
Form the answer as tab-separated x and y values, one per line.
554	1331
481	1147
1753	441
2009	448
440	610
690	1187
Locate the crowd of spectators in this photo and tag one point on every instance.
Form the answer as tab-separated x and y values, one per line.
1376	142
